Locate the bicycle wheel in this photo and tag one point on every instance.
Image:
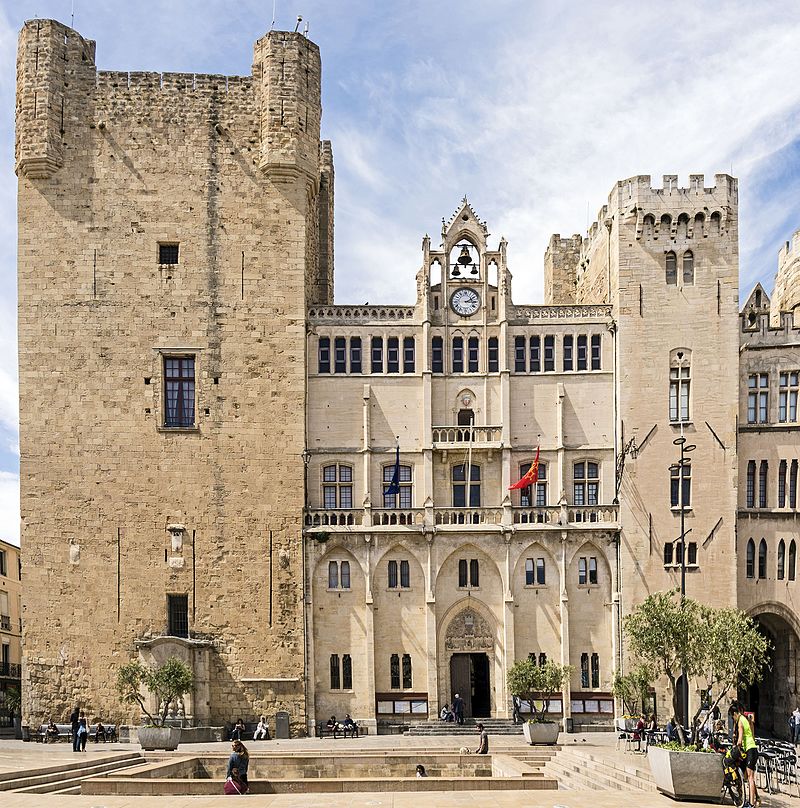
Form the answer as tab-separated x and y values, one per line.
737	793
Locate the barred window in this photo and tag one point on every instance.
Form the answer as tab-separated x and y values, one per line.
178	615
585	670
347	672
168	253
763	477
595	670
751	484
394	671
407	680
782	484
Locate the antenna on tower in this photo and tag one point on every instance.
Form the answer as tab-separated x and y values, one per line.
72	15
299	20
274	8
305	30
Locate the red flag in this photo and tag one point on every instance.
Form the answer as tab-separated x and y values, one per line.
530	477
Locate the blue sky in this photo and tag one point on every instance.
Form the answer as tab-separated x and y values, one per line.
533	109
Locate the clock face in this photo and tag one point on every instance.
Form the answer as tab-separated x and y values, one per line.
465	302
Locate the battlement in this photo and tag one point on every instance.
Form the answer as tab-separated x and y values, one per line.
790	249
786	296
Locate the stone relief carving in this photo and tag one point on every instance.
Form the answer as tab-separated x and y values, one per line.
469	631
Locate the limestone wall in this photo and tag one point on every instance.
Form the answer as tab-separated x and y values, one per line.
212	164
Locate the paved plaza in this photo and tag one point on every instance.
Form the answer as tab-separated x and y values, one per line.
18	757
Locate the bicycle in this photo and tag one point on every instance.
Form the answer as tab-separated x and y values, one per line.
733	785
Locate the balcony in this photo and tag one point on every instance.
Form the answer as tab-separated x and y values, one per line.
10	670
557	516
460	437
334	517
468	516
5	622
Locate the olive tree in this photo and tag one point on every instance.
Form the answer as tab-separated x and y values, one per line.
633	688
167	683
532	682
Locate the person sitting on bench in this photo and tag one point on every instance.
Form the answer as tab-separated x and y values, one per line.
100	732
262	731
52	733
350	727
332	726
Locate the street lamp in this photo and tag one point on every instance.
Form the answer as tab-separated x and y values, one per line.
680	469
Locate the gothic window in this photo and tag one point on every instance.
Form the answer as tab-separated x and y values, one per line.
472	354
324	355
333	575
762	559
336	681
763	476
536	362
519	354
542	658
758	398
403	499
671	265
355	354
344	574
179	391
458	354
526	498
595	352
680	379
337	486
535	572
407	680
585	670
781	559
688	268
404	579
540	572
582	570
750	569
549	353
405	575
793	485
377	354
392	355
595	670
347	672
782	484
582	352
338	575
392	569
394	671
592	570
340	355
408	354
459	474
567	352
681	498
468	573
437	355
494	355
792	559
787	397
751	484
586	483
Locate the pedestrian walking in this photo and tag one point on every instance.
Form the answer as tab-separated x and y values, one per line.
83	732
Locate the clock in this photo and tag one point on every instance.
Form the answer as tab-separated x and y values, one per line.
465	302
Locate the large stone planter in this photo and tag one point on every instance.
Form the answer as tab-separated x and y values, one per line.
152	738
686	775
546	732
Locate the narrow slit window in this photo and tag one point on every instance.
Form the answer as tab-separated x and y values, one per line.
458	354
549	353
519	354
340	355
536	362
472	355
355	354
393	355
408	354
567	352
494	355
595	352
336	682
437	355
377	355
582	359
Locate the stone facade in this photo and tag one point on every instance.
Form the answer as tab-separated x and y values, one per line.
166	217
10	628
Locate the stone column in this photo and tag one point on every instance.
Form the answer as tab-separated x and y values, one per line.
369	635
566	693
430	626
509	651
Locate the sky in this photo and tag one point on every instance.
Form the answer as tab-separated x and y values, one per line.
533	109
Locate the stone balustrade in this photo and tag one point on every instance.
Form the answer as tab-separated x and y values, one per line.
480	436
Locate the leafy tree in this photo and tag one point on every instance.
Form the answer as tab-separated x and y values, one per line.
532	683
633	688
720	646
13	700
167	683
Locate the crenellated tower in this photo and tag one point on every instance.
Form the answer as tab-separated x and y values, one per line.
787	282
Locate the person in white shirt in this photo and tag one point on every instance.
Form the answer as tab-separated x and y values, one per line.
796	725
262	732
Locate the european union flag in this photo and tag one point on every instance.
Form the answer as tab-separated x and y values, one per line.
394	485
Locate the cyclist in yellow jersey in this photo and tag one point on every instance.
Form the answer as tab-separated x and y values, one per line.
743	737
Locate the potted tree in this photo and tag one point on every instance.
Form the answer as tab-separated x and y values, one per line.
632	690
722	647
538	684
166	683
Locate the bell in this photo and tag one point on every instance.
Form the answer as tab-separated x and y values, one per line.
464	258
474	270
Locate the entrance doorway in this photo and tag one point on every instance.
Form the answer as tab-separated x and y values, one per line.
469	677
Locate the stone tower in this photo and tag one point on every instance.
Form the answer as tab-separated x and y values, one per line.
787	282
172	230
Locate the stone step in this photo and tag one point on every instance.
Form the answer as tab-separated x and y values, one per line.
637	767
577	770
66	776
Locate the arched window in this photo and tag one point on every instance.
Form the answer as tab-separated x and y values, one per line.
792	559
671	265
762	559
394	671
665	227
751	484
407	679
648	225
781	558
333	575
763	476
344	574
688	268
585	670
750	570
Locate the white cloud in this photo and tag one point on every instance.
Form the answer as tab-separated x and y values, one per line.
9	507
